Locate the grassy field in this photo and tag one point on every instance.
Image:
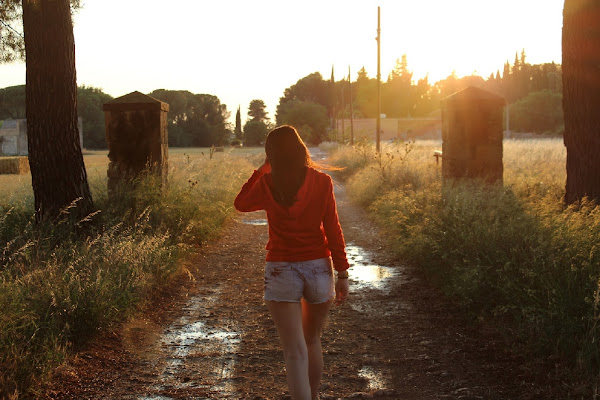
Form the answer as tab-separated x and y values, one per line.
17	188
61	283
512	255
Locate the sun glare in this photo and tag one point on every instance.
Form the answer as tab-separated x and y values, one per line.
240	51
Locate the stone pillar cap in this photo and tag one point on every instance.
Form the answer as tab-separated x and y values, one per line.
472	93
135	101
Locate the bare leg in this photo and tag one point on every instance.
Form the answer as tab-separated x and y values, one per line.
288	320
313	319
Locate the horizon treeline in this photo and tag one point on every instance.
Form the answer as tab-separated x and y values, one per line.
533	91
194	120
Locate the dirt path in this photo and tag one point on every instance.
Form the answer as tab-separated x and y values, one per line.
395	338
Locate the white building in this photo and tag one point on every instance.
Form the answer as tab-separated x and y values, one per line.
13	137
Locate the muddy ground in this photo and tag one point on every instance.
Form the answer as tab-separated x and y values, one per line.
210	336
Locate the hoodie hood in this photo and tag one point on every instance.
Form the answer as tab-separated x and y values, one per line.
303	197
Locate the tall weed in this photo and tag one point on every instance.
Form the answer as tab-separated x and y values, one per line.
508	253
62	282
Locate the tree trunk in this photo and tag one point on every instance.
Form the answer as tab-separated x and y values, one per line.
57	170
581	98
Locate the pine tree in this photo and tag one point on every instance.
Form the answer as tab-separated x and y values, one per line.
58	174
506	71
362	75
256	110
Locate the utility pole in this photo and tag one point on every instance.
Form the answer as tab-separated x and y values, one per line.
351	109
332	98
343	112
507	120
378	124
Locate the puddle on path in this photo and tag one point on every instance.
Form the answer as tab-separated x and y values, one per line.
261	221
375	379
366	275
257	218
317	154
187	345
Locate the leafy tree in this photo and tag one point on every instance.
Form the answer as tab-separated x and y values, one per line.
256	110
449	85
89	107
538	112
423	104
398	96
402	97
310	88
255	132
581	98
12	102
309	118
11	40
178	101
366	95
197	120
401	72
206	121
362	74
238	124
546	76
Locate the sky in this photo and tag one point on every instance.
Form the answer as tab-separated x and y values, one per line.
241	50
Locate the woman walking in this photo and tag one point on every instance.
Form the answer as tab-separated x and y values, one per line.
304	238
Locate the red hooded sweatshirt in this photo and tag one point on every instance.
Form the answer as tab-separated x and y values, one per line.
307	230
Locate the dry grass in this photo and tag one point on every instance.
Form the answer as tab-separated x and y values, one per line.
511	253
58	286
14	165
17	188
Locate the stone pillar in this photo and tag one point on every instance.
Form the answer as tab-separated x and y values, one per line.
137	138
472	135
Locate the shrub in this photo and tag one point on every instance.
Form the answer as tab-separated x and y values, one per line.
61	283
511	252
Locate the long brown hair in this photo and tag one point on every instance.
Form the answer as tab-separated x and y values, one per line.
289	159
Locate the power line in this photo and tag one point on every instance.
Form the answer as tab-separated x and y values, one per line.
11	28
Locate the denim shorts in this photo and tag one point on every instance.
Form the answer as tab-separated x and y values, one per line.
291	281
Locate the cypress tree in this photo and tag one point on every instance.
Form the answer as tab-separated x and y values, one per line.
238	124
